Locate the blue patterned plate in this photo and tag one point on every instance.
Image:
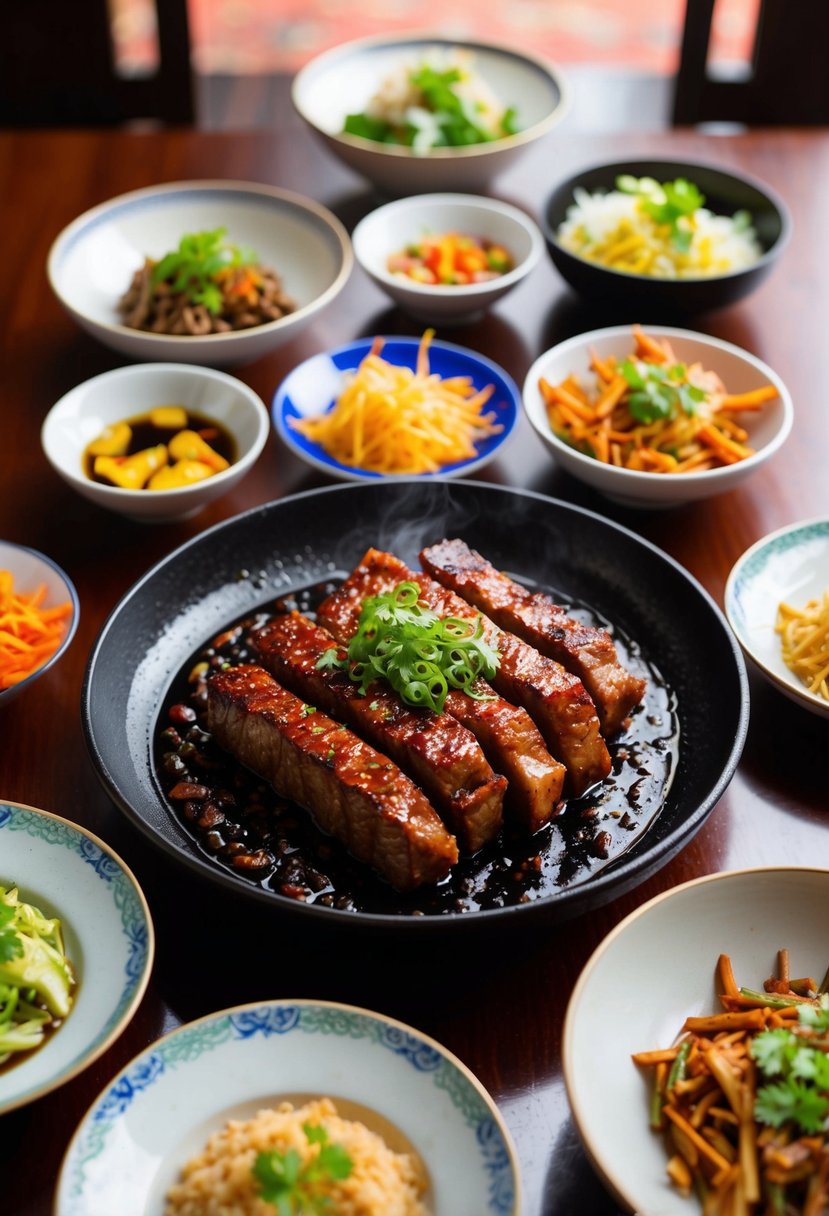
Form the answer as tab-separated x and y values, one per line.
792	565
69	873
313	386
161	1109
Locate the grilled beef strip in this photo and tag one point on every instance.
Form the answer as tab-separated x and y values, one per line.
584	651
352	791
509	737
437	752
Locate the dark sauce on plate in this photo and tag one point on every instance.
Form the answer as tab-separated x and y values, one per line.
238	820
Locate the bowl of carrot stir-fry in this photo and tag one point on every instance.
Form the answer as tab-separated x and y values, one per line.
696	1049
38	616
659	416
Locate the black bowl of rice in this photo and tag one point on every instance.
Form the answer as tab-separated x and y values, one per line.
661	236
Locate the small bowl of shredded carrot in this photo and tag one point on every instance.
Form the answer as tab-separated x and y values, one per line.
656	417
396	407
38	616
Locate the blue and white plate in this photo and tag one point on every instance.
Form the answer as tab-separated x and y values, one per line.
790	565
313	387
160	1110
69	873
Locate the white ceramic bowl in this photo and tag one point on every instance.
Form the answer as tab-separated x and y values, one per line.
654	970
790	565
341	81
393	227
739	371
69	873
160	1110
30	570
314	386
92	261
127	392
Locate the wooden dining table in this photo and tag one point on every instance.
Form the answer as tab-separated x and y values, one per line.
499	1005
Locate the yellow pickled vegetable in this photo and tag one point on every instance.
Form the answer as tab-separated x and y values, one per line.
182	473
189	445
113	441
131	472
169	417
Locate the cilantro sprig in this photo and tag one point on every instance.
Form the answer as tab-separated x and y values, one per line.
420	654
659	392
295	1187
796	1063
192	267
670	203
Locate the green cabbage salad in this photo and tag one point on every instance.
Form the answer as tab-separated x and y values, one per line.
36	979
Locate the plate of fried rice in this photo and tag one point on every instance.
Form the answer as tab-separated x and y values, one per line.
292	1100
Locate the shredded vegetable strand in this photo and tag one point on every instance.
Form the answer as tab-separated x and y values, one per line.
29	633
804	636
743	1099
395	420
652	413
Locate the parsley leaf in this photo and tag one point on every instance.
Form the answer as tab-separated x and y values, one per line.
791	1100
294	1187
192	267
659	392
801	1094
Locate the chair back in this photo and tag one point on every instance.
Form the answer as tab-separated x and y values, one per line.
58	67
786	80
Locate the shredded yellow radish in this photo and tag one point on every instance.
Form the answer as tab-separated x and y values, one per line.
804	636
391	419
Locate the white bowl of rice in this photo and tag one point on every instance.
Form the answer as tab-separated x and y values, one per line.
179	1131
570	365
513	97
670	236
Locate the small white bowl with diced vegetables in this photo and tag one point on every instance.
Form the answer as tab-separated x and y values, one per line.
85	413
503	240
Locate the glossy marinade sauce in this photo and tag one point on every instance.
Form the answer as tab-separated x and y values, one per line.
237	819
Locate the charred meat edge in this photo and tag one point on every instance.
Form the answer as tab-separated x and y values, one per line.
437	752
506	731
585	651
352	791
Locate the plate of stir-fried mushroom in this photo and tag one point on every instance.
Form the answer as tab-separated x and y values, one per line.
205	272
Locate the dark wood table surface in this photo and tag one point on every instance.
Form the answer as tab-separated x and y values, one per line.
500	1009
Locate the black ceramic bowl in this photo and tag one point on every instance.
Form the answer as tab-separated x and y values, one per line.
649	298
239	566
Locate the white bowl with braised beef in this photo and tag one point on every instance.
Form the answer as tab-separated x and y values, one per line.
361	100
200	272
155	441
